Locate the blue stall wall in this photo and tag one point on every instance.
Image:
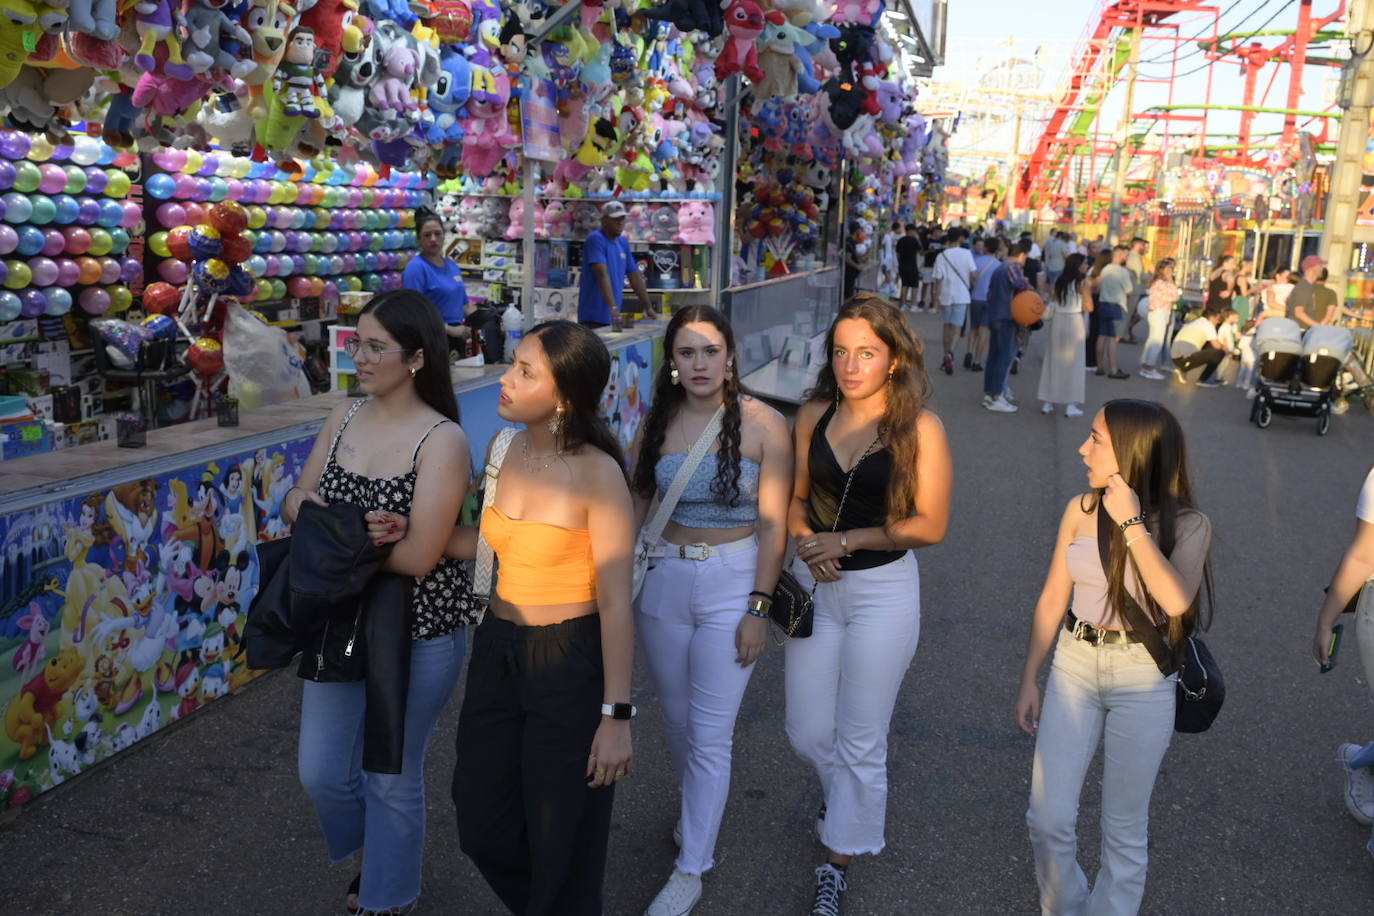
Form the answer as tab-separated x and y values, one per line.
121	610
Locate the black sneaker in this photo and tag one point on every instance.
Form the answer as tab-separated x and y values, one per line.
1117	374
968	360
830	888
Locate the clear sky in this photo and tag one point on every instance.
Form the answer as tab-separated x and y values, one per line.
993	30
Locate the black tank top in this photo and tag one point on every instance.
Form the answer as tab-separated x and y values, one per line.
1215	299
866	505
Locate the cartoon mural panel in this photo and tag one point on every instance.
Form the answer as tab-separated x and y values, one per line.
121	611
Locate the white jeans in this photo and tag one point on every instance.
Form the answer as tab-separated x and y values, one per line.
1092	690
842	683
1156	350
687	615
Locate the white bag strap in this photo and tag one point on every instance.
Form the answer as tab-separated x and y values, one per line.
481	580
659	520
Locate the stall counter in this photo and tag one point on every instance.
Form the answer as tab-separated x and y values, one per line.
125	575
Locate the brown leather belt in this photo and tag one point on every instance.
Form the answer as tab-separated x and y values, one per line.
1098	636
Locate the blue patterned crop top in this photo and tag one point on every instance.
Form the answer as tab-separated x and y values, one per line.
699	507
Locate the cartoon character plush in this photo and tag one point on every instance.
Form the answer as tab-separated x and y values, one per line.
96	18
19	39
744	21
782	67
355	76
296	82
338	30
36	96
157	22
30	714
399	58
268	21
486	34
696	223
663	224
216	39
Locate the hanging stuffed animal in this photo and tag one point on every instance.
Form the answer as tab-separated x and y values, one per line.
355	76
744	21
157	22
296	83
208	25
782	66
690	15
97	18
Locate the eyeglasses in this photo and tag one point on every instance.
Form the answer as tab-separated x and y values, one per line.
374	351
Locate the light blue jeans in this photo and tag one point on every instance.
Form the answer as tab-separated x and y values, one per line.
381	814
1111	691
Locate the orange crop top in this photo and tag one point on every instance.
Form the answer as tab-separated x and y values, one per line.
540	563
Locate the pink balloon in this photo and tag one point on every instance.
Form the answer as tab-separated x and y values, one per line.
173	271
94	300
110	270
9	239
195	215
299	287
78	240
67	272
44	271
53	180
171	214
185	186
54	242
236	190
132	214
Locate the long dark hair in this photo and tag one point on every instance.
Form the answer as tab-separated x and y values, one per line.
907	391
581	367
1148	443
413	320
1070	276
668	397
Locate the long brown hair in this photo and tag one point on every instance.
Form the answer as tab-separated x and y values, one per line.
581	367
908	388
1150	452
1103	259
668	397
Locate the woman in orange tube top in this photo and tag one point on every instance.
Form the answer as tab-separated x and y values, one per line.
545	721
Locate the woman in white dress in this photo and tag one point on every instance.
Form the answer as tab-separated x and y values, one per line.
1061	375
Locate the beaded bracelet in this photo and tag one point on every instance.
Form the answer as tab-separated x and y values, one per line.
1138	520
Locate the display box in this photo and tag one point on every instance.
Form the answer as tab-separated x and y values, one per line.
551	304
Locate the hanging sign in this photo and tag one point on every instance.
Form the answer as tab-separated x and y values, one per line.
539	118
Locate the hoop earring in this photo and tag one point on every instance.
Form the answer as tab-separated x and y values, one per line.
674	377
556	424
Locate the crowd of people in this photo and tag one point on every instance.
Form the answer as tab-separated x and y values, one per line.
1096	295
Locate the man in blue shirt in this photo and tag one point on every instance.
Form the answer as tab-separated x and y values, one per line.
606	262
1007	280
977	339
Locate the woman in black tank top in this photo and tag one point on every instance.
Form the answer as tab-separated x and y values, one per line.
872	483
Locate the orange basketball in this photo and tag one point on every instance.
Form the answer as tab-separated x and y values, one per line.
1027	307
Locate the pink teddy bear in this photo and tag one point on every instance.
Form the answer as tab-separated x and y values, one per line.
392	91
696	223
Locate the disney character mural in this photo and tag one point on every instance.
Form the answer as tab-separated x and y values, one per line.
123	610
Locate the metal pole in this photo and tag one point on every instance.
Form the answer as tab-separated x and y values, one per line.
1006	206
527	249
1343	198
722	253
1123	133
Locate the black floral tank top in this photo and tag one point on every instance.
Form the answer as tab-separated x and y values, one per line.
441	601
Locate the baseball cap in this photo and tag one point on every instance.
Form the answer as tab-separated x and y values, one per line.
1313	260
614	209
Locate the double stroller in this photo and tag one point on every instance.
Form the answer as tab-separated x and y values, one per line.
1298	373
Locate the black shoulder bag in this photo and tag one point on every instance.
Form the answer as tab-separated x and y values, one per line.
1201	690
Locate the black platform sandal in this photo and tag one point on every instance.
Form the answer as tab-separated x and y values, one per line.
351	897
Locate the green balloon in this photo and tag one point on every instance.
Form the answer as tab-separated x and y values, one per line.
26	176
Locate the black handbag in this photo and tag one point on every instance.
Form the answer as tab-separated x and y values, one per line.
793	609
1200	689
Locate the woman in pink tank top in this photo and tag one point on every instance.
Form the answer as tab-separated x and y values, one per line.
1135	537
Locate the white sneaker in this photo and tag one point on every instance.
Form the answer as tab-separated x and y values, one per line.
1152	375
1073	410
1359	785
999	405
678	896
1047	408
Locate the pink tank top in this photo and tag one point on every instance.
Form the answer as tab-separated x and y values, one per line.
1090	585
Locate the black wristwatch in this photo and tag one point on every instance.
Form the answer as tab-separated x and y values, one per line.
621	711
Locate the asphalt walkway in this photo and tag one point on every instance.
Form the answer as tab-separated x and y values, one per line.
208	817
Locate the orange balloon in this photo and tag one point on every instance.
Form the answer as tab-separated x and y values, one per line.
89	271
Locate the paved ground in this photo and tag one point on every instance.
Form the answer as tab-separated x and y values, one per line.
208	818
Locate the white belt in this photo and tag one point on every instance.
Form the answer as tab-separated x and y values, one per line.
702	552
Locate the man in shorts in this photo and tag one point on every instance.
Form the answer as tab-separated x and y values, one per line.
977	341
955	274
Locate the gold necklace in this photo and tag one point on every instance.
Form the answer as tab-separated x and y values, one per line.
531	459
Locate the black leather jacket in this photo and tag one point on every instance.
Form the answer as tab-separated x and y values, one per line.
322	593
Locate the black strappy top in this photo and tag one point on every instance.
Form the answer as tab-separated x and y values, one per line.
441	601
866	505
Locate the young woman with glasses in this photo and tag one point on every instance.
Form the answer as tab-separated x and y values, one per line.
703	612
1104	686
398	450
872	483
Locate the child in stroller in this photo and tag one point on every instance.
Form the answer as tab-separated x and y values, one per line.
1298	373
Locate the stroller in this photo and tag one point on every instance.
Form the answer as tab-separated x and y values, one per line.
1298	373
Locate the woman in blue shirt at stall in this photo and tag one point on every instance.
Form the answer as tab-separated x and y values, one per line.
438	276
